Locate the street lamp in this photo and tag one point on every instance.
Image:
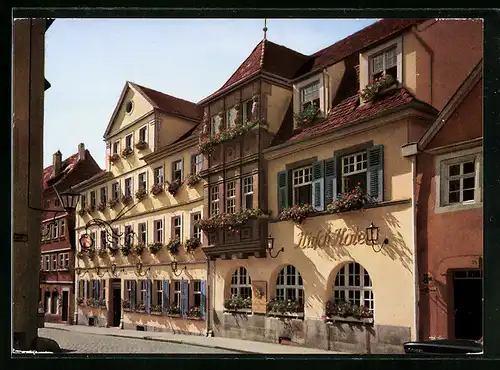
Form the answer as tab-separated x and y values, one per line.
372	235
270	247
174	269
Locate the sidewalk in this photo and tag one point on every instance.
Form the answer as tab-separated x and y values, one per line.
238	345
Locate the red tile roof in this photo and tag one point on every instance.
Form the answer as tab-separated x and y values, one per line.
267	57
171	104
66	167
349	111
360	40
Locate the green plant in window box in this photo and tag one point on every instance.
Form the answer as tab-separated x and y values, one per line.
113	202
101	206
126	305
174	186
91	208
376	86
280	306
195	313
113	251
102	253
192	243
237	302
82	211
141	307
307	116
126	249
101	303
174	310
345	309
114	157
140	194
141	145
91	253
156	309
80	255
157	189
155	247
192	179
349	201
126	199
80	301
230	220
174	246
127	152
297	213
139	248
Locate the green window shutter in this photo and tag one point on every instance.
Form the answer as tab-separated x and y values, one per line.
375	173
184	298
203	299
330	180
318	194
166	296
148	296
282	190
133	296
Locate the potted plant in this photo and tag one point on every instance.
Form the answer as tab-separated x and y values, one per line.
126	249
174	310
139	248
140	194
113	202
101	206
284	307
113	251
307	116
141	307
195	313
156	309
91	253
174	186
346	311
349	201
173	246
157	189
82	211
375	87
296	213
102	303
126	305
238	303
230	220
192	179
114	157
155	247
126	199
192	243
91	208
80	254
80	301
141	145
126	152
102	253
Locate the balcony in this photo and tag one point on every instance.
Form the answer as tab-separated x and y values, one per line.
247	240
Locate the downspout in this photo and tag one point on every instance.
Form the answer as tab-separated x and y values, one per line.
415	246
431	56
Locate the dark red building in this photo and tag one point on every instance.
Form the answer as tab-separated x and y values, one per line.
450	216
58	236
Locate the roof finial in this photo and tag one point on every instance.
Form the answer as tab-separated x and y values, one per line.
265	27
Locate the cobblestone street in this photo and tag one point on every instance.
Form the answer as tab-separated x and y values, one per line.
74	342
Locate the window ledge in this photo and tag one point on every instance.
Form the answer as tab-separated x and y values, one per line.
299	316
350	319
247	311
373	205
458	207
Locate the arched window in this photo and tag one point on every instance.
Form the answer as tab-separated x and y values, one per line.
241	285
289	285
353	284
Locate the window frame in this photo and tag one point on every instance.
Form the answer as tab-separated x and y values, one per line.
303	102
129	179
145	130
115	187
131	137
93	198
196	292
230	196
344	175
144	182
175	170
228	116
344	271
299	288
54	262
239	282
158	229
142	235
176	226
157	293
215	124
62	228
246	190
159	178
244	107
196	231
177	293
214	190
103	194
309	183
115	147
196	163
384	61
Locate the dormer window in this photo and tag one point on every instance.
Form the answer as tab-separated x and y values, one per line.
309	95
384	61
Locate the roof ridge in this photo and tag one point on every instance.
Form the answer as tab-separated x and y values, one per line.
159	92
262	53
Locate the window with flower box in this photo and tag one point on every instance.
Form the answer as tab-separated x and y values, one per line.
177	170
309	95
128	187
116	147
230	197
143	134
158	175
143	232
127	234
353	284
115	190
197	293
143	180
177	293
158	231
196	231
55	230
384	61
289	285
214	200
142	294
157	293
92	198
115	238
241	284
47	263
196	163
248	192
128	142
62	231
302	185
177	227
354	168
54	262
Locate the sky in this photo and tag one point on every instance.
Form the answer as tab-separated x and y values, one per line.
88	61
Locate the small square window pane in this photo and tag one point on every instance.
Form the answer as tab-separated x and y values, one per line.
468	195
469	167
469	183
454	170
454	197
454	185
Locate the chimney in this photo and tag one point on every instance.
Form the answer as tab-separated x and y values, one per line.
56	163
81	151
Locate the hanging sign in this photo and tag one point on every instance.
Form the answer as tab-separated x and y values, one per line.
86	241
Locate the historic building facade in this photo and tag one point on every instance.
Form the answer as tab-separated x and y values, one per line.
58	245
146	269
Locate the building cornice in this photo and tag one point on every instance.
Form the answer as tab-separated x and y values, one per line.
98	180
467	144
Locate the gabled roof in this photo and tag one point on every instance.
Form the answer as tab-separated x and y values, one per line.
360	40
349	111
450	107
160	101
265	57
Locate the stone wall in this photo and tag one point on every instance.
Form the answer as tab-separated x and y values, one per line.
346	337
99	317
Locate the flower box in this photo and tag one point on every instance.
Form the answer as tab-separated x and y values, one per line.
126	250
127	152
307	116
113	251
155	247
238	303
230	220
376	87
350	319
80	254
290	307
174	311
346	311
191	244
174	186
156	310
296	213
82	211
141	145
140	194
173	246
246	311
349	201
157	189
114	158
193	179
113	202
102	253
291	315
175	315
126	199
194	313
91	253
139	248
91	208
101	206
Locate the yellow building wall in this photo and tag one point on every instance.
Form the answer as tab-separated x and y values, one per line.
140	107
172	128
416	68
277	106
